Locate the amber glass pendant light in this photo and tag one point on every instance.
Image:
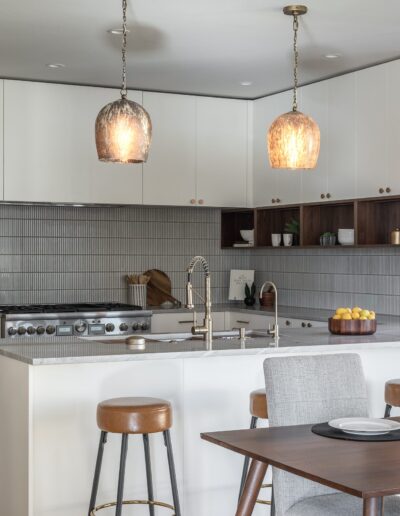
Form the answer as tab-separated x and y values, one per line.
294	138
123	127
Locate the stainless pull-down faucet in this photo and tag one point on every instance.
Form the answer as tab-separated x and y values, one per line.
206	329
274	331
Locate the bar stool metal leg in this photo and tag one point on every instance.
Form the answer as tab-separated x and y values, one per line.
99	460
388	410
121	478
148	473
253	424
174	485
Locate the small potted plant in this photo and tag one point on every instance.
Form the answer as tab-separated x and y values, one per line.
250	294
293	227
327	238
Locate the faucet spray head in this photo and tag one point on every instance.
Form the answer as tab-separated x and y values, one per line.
189	294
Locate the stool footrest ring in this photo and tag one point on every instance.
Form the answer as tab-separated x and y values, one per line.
154	503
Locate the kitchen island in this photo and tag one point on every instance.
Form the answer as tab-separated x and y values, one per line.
50	389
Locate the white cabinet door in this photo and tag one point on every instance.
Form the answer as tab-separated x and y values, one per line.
272	186
314	103
340	143
392	134
1	140
371	133
221	152
169	176
49	146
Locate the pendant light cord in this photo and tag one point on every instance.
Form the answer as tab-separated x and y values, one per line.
296	60
124	31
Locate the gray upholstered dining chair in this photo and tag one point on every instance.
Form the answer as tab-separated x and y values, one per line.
307	390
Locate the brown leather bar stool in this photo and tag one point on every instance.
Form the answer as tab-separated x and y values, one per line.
392	395
258	410
127	416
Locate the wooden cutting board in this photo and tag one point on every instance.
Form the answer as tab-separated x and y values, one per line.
159	288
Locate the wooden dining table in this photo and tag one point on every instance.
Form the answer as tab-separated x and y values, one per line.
368	470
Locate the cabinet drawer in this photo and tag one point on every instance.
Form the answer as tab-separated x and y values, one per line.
248	321
300	323
183	322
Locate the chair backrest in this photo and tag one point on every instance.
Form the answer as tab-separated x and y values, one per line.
307	390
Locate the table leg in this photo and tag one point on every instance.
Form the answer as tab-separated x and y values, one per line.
254	480
373	506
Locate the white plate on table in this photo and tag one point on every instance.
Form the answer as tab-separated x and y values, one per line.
364	425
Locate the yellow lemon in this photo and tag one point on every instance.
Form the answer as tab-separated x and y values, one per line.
348	310
337	316
364	313
346	317
356	309
371	312
355	315
363	318
371	317
340	311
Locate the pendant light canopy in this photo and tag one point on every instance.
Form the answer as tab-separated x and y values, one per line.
294	138
123	127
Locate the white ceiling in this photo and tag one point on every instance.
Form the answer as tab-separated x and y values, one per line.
202	46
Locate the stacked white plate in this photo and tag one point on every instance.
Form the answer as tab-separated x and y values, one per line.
364	425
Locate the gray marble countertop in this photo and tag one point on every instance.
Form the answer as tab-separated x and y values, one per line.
71	350
291	312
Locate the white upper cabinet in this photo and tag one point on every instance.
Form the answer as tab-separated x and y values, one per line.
169	176
339	146
392	132
314	103
371	132
221	152
272	186
49	146
1	140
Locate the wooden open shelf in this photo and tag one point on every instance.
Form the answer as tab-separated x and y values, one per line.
373	220
273	220
232	221
320	218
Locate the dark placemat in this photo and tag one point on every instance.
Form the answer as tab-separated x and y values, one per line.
327	431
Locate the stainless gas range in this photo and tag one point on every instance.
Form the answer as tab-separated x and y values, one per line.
76	319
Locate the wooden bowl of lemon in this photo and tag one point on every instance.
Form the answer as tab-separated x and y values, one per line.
353	321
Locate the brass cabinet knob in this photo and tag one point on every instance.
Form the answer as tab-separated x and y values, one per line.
381	190
328	196
192	201
273	201
388	190
322	196
201	201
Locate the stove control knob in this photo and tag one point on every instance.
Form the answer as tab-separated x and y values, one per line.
80	326
12	331
123	327
40	330
50	329
135	326
110	327
21	330
31	330
144	326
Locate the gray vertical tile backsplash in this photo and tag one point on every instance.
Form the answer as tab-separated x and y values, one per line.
328	278
69	254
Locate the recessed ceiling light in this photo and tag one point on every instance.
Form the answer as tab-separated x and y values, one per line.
55	65
246	83
332	56
118	32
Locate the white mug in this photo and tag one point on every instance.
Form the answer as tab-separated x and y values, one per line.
287	239
276	239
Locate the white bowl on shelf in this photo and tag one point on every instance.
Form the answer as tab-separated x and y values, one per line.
346	236
247	235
